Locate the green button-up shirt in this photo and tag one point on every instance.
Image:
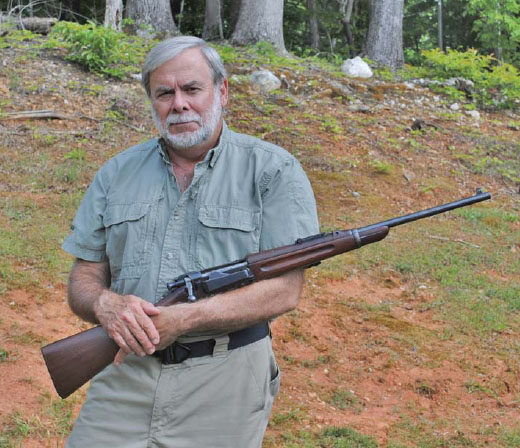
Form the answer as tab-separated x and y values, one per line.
246	195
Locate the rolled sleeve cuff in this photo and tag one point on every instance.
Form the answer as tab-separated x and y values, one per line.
71	246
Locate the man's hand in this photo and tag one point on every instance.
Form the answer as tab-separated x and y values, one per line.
127	320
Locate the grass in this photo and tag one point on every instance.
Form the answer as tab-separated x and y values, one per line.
468	259
54	422
331	437
33	229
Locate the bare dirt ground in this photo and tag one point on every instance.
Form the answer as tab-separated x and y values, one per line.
367	349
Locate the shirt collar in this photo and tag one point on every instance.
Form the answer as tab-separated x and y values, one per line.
215	152
212	155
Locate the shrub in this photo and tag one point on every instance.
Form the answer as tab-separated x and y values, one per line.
99	49
496	84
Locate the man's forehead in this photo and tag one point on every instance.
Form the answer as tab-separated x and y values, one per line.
189	60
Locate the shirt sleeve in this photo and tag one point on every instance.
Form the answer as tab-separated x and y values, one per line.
289	208
87	240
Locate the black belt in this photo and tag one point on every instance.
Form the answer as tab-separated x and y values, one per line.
177	353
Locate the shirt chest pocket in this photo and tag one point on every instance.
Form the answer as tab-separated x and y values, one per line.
226	234
128	237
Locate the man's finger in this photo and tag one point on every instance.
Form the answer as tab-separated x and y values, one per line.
149	328
120	357
138	327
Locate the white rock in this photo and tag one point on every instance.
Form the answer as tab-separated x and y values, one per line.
455	106
473	114
264	81
356	68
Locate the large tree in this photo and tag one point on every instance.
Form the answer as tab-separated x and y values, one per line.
260	21
384	43
312	25
156	14
114	14
213	21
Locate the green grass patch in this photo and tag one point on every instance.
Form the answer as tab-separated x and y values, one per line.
332	437
30	238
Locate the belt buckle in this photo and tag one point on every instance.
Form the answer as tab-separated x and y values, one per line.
175	353
180	352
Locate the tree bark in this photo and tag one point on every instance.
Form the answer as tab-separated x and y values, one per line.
155	14
114	14
345	21
385	33
260	21
212	21
41	25
234	11
312	25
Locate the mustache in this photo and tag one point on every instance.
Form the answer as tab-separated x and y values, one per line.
184	118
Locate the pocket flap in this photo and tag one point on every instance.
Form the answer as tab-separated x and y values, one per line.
118	213
229	218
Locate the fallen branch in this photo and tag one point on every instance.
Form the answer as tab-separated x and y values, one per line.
40	25
101	120
442	238
37	114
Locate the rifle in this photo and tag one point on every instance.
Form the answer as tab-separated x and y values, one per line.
75	360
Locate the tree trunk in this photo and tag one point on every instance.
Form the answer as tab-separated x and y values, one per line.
212	21
312	25
157	15
260	20
347	14
385	33
114	14
234	11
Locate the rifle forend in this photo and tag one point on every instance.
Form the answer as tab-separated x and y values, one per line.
75	360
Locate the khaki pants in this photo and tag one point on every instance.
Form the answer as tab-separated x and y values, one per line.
222	400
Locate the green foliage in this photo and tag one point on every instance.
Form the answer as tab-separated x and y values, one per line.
496	84
498	26
99	49
381	167
4	355
16	38
331	437
344	437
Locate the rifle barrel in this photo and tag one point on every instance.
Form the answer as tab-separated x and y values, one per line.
478	197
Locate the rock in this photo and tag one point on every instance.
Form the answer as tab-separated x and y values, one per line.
356	68
473	114
409	176
460	83
356	194
340	89
360	108
264	81
455	107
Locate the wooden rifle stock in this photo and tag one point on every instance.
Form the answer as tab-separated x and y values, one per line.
73	361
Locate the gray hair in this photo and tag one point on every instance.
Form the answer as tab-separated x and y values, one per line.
169	48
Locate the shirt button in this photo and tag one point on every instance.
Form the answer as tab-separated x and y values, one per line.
169	256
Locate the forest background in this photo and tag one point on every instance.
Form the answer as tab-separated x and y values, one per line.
411	342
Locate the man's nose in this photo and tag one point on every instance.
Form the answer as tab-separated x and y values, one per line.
180	103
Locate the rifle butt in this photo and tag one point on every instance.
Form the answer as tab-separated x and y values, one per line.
73	361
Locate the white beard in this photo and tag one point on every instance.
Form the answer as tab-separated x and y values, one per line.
208	123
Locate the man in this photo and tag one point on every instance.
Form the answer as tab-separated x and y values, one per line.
199	196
